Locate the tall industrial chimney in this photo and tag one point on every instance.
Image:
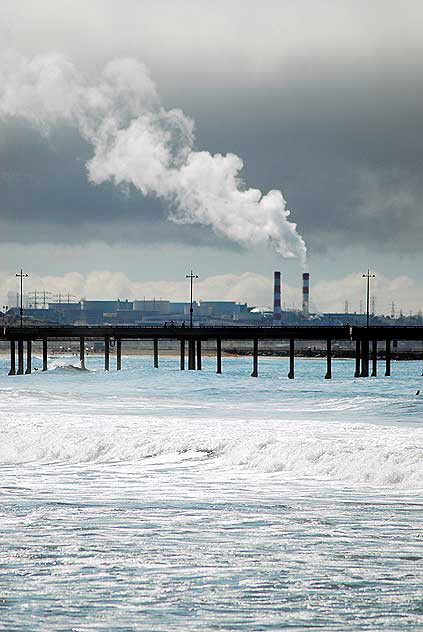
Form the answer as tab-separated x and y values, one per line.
277	312
306	293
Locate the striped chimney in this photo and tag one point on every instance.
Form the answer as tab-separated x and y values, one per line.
277	312
306	294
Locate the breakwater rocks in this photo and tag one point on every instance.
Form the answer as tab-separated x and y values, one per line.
321	353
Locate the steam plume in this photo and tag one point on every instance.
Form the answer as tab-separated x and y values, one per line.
136	141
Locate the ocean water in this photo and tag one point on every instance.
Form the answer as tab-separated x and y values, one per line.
155	499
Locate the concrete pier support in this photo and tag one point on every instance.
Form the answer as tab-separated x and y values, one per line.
191	355
357	358
106	353
388	358
374	358
364	358
12	358
82	352
291	373
20	358
255	358
28	357
45	356
219	355
198	355
182	355
328	375
118	354
156	353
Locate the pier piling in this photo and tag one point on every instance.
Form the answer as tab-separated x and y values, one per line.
156	352
255	358
28	357
191	355
45	356
368	341
118	354
82	352
364	358
182	355
198	355
328	375
20	357
106	353
219	355
357	358
12	358
388	358
374	358
291	373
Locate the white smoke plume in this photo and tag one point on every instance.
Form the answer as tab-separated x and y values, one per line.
136	141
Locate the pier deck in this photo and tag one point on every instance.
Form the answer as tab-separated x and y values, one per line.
366	342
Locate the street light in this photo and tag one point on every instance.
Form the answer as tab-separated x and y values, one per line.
21	275
368	276
191	276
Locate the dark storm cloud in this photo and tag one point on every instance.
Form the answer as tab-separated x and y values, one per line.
45	196
346	150
325	103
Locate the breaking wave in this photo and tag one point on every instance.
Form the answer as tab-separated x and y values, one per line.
71	368
351	454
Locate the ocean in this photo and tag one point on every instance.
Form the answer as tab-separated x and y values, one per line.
158	500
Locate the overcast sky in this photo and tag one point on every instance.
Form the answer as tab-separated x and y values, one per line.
322	100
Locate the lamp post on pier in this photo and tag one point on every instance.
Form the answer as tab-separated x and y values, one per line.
191	277
21	275
368	276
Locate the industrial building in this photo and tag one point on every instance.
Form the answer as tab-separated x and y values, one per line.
154	312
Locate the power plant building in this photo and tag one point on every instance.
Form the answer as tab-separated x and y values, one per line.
152	306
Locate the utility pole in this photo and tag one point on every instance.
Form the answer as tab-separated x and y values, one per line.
368	276
346	308
191	277
21	275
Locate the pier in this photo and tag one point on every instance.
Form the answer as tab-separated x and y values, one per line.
367	342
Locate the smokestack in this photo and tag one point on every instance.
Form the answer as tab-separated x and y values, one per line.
277	312
306	292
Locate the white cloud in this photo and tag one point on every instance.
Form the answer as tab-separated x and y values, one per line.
403	291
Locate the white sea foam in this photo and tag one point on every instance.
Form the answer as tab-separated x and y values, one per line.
193	498
65	363
65	416
70	367
352	454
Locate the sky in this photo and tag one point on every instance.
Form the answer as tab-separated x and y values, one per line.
139	140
